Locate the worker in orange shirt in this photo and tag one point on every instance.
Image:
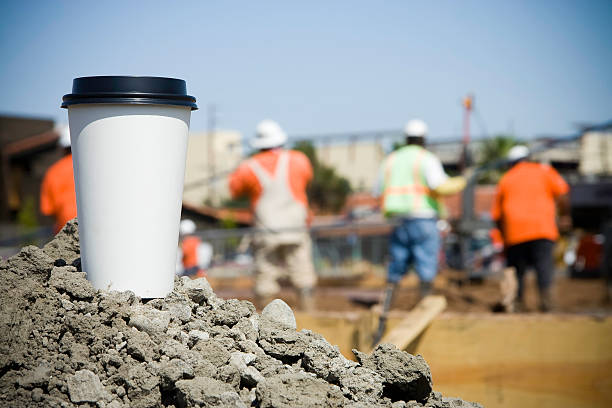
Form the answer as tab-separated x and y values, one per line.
57	194
194	256
275	180
525	210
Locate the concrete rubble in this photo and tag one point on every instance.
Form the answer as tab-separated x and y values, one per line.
65	344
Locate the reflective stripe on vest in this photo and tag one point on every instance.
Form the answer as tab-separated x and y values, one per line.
405	188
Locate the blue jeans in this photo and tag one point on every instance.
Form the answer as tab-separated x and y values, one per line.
415	241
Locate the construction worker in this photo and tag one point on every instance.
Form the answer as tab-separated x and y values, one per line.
411	181
194	255
524	209
275	180
57	193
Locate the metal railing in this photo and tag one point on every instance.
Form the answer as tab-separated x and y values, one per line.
346	250
339	250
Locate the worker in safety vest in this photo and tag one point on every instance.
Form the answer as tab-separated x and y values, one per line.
524	209
411	180
194	256
57	193
275	180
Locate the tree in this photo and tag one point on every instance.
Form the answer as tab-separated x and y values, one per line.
492	149
328	190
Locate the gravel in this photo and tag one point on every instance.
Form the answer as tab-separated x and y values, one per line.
65	344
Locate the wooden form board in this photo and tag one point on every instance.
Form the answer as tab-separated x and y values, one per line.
415	321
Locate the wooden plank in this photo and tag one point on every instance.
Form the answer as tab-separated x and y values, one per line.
415	322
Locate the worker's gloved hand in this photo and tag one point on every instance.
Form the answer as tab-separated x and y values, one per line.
451	186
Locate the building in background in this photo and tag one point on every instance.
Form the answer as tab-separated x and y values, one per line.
28	146
565	157
210	159
450	152
358	162
596	151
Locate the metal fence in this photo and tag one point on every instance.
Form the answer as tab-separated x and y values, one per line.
347	250
341	250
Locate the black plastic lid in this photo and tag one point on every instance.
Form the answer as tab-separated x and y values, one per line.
129	90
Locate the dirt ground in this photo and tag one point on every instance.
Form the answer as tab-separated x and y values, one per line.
571	295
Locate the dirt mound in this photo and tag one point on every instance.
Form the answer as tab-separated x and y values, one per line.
65	344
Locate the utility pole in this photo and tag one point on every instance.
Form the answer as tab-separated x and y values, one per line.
467	198
468	106
211	130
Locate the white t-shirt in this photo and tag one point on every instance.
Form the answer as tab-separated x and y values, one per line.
434	172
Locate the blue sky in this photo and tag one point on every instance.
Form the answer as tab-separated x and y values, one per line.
316	67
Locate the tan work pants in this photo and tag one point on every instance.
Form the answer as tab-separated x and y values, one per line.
278	260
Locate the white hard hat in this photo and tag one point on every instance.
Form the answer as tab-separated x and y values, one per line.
64	135
518	152
415	128
187	227
268	135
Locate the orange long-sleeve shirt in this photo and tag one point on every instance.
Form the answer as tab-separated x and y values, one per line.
190	251
525	202
243	180
57	194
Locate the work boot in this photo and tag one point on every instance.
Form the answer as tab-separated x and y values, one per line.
508	287
425	289
306	300
546	301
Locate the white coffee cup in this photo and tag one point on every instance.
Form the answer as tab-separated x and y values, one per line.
129	143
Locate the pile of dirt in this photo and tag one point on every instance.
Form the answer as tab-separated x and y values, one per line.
64	344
